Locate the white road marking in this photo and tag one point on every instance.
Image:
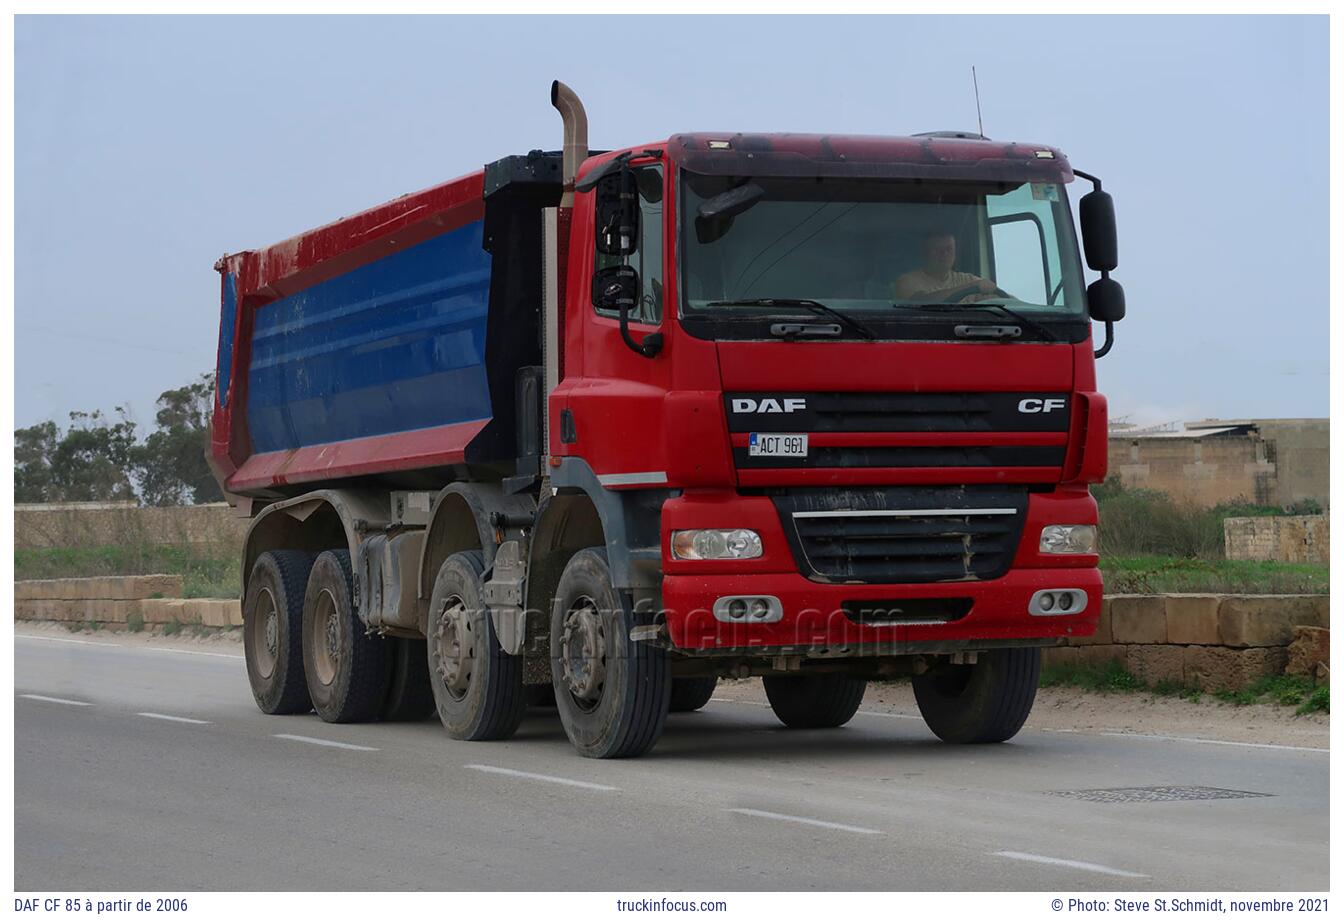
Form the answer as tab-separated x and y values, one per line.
1250	744
325	743
889	715
159	715
812	822
484	768
142	648
1069	863
53	699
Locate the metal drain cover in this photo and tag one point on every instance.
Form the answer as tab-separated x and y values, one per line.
1158	794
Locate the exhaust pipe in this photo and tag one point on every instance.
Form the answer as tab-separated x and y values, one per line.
567	103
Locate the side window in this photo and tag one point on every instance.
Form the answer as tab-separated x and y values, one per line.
1018	267
647	259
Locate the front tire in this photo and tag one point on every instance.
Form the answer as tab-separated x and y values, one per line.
815	701
347	669
982	703
691	693
409	695
273	631
612	693
477	686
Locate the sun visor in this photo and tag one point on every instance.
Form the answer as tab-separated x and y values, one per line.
856	156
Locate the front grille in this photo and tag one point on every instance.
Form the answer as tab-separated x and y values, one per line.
903	535
907	611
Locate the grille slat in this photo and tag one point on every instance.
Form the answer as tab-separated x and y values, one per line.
944	545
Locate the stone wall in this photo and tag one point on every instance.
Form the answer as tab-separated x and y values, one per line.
1210	641
110	524
112	601
1289	538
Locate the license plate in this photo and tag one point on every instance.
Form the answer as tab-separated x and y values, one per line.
777	445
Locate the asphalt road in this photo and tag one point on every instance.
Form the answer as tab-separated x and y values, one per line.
167	777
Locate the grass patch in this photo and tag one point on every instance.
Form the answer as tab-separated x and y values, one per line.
135	622
207	571
172	628
1318	701
1109	678
1282	690
1169	574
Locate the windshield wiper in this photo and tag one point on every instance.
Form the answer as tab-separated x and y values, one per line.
983	305
818	308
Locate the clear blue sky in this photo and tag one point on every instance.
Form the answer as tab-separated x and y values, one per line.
148	146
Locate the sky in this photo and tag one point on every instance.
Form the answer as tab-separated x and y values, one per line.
147	146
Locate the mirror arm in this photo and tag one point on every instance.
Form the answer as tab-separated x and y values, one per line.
652	343
1106	345
1096	183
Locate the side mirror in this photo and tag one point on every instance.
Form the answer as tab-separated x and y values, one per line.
1106	300
715	216
1096	214
617	288
618	213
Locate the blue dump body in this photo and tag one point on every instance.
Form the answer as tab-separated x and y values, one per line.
393	346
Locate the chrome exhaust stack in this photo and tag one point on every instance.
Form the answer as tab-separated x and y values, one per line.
567	103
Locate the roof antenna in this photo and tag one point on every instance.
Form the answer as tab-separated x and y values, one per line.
980	121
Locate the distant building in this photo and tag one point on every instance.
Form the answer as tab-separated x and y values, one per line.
1278	462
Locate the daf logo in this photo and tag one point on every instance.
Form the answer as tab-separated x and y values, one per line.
1033	406
767	405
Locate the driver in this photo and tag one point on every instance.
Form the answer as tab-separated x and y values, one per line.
936	281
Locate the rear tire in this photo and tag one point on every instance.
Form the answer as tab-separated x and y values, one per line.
691	693
612	693
273	631
347	669
815	701
410	698
982	703
477	687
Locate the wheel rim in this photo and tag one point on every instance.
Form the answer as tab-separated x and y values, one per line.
265	634
583	653
455	648
326	638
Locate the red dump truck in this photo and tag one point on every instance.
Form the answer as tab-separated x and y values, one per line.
610	426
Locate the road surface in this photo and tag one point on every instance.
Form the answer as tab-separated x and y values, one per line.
151	769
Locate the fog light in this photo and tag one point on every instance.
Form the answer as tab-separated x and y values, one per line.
1057	602
753	608
716	544
1069	538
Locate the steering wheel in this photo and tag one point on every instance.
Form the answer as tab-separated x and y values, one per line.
973	288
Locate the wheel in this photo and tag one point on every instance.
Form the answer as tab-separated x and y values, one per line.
273	631
612	694
691	693
347	669
478	688
409	695
815	701
980	703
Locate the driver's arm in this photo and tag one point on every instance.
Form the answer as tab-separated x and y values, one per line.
905	290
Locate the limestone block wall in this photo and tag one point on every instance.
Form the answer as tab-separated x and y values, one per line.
1287	538
1210	641
112	601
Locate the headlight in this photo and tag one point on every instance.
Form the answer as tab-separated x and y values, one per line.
716	544
1069	538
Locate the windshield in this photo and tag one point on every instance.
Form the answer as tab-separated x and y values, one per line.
878	249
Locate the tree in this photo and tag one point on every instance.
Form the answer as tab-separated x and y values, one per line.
170	466
90	462
97	459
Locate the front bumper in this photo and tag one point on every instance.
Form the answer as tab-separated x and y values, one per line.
815	615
